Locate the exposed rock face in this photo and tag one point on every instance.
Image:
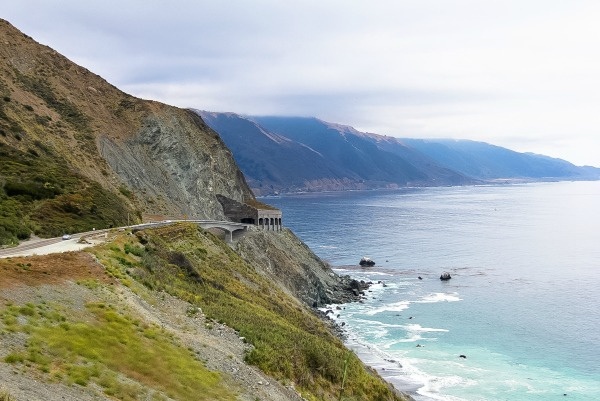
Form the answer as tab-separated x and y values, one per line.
287	261
177	163
445	276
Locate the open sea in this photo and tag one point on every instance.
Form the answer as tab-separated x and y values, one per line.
523	304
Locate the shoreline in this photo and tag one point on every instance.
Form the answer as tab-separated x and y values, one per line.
389	368
495	182
385	366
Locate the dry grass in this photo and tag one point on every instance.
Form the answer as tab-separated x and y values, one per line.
50	269
5	396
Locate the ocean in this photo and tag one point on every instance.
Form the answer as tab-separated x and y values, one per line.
523	304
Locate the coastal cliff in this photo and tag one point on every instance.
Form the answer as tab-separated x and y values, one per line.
173	313
288	262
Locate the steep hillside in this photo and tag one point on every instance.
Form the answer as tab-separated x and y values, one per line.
168	314
306	154
77	153
485	161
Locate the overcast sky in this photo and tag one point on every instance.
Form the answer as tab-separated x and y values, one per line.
524	74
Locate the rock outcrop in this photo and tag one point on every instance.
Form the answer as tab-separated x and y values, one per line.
177	163
287	261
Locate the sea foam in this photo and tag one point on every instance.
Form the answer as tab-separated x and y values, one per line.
395	307
439	297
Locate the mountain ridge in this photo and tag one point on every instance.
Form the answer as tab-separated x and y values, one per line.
343	159
362	160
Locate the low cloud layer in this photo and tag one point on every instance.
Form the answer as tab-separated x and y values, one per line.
521	74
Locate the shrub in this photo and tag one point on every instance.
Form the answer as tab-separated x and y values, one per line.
14	358
126	192
30	189
67	110
5	396
133	249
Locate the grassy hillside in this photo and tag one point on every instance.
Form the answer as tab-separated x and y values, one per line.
289	342
105	345
52	178
110	334
41	193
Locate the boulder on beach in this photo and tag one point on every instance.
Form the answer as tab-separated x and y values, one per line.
445	276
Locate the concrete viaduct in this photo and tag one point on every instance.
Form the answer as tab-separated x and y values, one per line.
228	226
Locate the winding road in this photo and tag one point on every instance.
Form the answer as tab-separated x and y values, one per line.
46	246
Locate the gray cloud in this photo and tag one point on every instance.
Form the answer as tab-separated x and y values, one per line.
522	74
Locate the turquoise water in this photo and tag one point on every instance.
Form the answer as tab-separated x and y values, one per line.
522	306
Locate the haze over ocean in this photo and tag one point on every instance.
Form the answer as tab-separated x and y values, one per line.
522	305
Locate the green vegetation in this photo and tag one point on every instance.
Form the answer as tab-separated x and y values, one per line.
67	110
5	396
106	347
13	226
39	193
133	249
290	343
126	192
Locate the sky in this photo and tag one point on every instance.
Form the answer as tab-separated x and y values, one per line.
523	74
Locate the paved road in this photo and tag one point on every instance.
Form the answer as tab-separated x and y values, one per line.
29	247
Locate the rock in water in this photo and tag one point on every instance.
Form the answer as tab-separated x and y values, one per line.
364	261
445	276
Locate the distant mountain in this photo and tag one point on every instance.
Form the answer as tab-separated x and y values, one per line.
287	154
269	161
484	161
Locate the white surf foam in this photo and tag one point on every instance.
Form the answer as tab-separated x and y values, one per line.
395	307
439	297
417	328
